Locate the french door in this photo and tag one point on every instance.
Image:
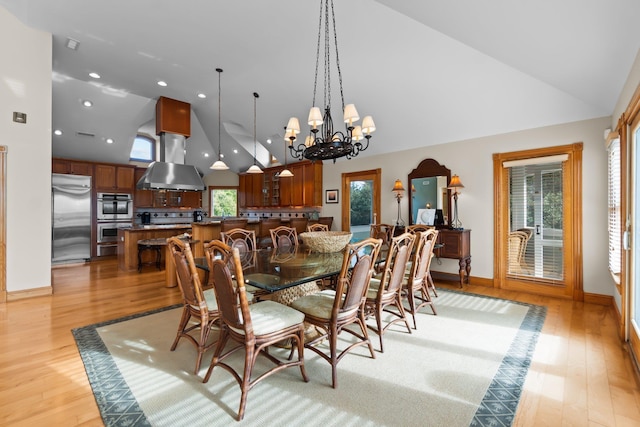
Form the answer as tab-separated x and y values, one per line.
537	221
360	202
634	242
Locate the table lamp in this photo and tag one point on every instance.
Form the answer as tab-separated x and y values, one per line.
454	185
398	189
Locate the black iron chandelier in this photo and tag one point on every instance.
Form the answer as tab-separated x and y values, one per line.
324	143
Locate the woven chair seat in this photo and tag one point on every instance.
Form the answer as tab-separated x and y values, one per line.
269	316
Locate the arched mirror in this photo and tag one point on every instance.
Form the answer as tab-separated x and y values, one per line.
430	199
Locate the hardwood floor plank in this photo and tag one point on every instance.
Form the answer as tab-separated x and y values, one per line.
580	373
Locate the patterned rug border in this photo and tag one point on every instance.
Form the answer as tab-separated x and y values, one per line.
497	408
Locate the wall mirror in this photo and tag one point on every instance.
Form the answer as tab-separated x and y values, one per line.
430	199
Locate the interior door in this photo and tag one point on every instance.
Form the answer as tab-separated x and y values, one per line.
360	202
537	221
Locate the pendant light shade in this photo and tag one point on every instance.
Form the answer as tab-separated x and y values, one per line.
219	165
254	168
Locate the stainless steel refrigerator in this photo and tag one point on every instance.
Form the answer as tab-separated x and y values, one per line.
71	218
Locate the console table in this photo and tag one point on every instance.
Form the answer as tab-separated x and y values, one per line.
456	245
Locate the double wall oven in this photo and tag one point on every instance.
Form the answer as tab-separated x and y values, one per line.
113	211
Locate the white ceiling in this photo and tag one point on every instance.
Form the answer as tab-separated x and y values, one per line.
428	71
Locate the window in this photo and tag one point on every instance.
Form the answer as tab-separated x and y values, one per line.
614	220
143	149
223	201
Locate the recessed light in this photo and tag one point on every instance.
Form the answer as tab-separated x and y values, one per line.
94	75
72	44
202	95
206	154
109	140
268	141
162	83
235	151
57	132
221	156
87	103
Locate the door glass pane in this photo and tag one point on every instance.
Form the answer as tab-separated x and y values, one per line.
535	238
361	212
635	249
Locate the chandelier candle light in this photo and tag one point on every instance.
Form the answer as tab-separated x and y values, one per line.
219	165
254	168
398	189
324	143
454	185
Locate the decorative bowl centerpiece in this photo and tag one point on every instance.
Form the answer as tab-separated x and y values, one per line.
326	241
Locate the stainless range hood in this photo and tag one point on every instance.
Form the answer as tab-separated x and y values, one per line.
170	173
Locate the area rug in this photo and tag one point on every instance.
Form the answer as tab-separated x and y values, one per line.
464	367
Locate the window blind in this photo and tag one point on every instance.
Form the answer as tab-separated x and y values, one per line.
614	200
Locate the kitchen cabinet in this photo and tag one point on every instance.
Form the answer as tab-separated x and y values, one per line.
71	167
456	245
192	199
177	199
142	198
271	190
114	178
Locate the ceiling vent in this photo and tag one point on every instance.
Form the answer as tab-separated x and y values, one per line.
86	134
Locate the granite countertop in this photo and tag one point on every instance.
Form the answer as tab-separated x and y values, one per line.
159	227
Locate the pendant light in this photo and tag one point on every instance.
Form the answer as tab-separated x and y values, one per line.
254	168
285	173
219	165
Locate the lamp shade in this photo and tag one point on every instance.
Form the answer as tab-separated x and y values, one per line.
350	114
455	182
308	141
398	188
290	135
286	173
367	125
356	135
219	165
315	117
293	125
254	169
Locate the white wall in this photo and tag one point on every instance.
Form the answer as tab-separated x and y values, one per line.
25	86
472	160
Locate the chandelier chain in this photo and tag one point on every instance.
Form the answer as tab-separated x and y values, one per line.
315	80
255	135
335	39
327	57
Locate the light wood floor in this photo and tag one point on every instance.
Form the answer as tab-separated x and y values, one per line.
580	375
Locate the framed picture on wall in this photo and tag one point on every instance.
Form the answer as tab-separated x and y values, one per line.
331	196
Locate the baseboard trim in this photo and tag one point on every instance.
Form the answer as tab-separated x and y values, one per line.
598	299
455	278
29	293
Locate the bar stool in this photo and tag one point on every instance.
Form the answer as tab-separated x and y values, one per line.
156	245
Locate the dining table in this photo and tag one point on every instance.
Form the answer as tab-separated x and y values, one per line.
277	269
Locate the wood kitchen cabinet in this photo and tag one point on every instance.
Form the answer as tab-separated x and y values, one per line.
192	199
456	245
142	198
114	178
71	167
271	190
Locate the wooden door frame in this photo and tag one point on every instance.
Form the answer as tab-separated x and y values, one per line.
372	174
572	220
3	224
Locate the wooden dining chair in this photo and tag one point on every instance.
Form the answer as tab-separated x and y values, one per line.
197	304
299	223
245	241
317	227
383	296
415	285
414	228
332	312
382	231
264	233
253	328
284	237
424	228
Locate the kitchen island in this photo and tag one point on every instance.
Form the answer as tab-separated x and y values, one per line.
128	242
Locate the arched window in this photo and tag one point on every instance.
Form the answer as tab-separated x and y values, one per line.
144	149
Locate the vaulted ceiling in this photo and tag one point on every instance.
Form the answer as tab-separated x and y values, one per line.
428	71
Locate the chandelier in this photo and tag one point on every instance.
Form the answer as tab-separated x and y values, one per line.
325	143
